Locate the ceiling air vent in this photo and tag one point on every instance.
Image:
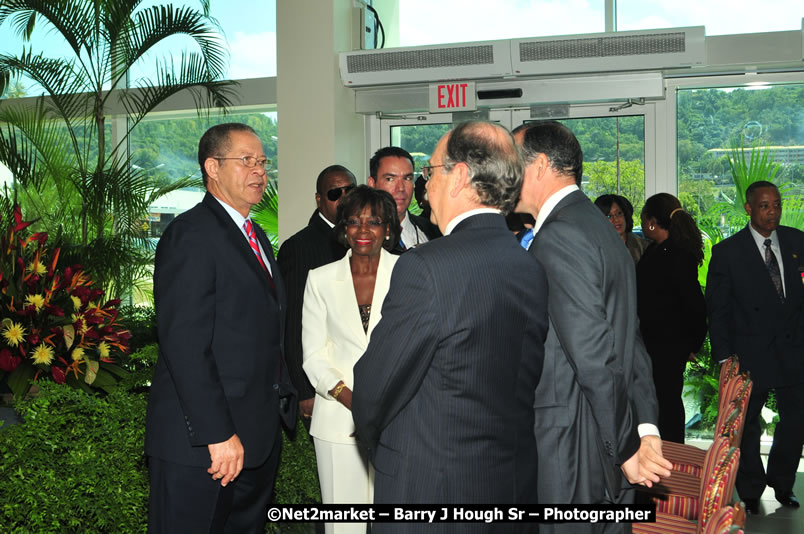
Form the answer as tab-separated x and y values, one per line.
426	63
609	52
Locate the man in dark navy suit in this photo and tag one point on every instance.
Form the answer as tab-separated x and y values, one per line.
755	302
213	425
443	396
311	247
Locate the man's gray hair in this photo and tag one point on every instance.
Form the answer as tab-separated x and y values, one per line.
495	167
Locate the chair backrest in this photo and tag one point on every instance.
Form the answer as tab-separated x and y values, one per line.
732	389
719	488
714	455
720	522
727	520
727	422
729	369
738	521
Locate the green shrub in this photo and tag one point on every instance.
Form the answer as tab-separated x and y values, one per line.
76	464
297	479
141	322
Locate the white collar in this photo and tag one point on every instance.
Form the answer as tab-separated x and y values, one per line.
238	219
325	219
550	204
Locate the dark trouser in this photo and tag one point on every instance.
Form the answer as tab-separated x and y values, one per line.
785	452
186	499
668	377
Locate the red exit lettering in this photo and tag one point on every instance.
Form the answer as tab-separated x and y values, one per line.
452	95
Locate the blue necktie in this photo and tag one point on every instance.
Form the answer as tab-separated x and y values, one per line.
527	239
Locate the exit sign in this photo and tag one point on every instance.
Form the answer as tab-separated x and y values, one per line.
453	96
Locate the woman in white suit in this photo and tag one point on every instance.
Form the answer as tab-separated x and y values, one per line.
342	302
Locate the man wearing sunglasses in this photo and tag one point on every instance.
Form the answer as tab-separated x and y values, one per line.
391	170
313	246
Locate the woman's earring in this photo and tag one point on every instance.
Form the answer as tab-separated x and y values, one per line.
387	237
651	228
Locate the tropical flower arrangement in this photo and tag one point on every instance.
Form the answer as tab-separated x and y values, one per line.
54	325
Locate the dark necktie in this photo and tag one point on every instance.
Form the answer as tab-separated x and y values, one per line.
773	269
255	247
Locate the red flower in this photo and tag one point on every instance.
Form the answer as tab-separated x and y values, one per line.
55	310
112	303
8	362
20	225
58	374
33	339
39	236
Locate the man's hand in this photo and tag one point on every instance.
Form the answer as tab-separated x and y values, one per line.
227	459
647	466
306	407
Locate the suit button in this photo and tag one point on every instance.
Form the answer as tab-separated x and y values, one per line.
276	387
190	429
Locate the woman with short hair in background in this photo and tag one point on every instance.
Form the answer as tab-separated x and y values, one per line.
620	213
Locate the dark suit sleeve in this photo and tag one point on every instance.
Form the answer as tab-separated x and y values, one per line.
718	303
294	274
578	312
397	359
184	293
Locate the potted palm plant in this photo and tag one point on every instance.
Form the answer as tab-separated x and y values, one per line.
69	171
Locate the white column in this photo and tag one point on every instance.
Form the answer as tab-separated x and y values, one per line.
317	123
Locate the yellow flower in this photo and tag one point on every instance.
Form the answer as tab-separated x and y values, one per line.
42	354
103	349
14	333
76	302
78	354
84	326
36	300
37	268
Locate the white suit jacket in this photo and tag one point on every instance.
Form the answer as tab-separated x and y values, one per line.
333	339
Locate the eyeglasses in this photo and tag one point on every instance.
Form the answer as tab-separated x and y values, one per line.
616	215
427	171
374	222
336	192
251	161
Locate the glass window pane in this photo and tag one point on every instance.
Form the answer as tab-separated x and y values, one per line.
712	123
419	140
721	17
613	157
423	22
167	149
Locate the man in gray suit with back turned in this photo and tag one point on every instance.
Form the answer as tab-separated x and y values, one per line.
597	387
443	397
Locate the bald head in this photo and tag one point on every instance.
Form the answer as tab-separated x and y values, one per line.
495	167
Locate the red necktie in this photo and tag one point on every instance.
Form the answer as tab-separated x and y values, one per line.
255	247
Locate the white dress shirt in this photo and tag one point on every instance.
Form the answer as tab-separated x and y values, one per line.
239	220
777	251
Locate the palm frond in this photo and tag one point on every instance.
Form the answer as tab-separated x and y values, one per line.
70	18
747	170
192	76
151	26
266	213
